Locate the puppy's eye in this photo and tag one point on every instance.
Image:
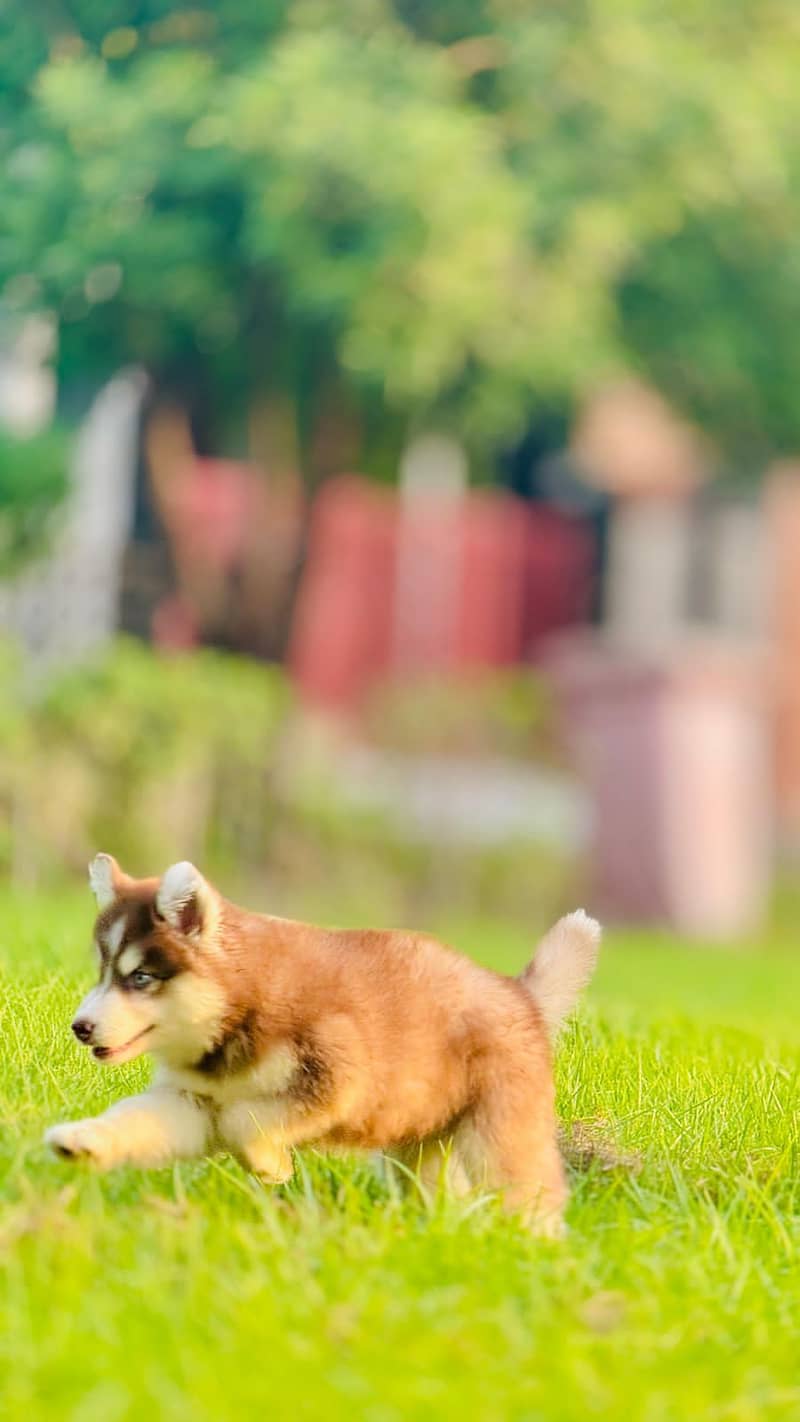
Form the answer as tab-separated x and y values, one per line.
140	979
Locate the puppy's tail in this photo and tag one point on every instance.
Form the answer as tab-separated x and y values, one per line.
562	967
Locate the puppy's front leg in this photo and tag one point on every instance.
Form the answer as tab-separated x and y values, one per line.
255	1132
148	1130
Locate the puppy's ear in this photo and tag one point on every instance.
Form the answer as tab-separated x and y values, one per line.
105	879
186	900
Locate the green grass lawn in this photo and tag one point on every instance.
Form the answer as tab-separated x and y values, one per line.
194	1293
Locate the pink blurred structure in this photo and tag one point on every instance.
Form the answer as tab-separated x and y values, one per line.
233	539
449	584
783	521
205	508
674	748
207	511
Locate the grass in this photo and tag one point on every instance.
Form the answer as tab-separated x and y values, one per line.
193	1293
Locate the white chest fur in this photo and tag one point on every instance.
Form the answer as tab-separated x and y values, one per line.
267	1079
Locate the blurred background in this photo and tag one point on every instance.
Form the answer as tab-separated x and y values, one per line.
400	451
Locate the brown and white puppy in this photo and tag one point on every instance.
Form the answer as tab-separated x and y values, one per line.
270	1034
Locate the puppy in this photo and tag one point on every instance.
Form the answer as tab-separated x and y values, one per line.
270	1034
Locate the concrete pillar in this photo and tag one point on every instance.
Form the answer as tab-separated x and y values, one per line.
649	568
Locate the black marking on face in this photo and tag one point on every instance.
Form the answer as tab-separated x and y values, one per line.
109	934
234	1051
133	926
156	964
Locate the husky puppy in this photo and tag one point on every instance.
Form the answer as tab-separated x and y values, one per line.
270	1034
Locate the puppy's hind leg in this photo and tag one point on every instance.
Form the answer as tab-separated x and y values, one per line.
435	1164
508	1143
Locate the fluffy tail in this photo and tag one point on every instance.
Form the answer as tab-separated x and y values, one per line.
562	967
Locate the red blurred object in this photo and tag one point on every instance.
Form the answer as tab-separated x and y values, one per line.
430	584
209	508
559	574
490	621
174	626
342	623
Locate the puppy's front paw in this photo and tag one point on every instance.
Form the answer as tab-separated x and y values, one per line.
79	1140
272	1164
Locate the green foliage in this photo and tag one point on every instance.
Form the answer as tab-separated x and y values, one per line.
457	210
157	758
490	713
197	1294
34	479
346	195
206	757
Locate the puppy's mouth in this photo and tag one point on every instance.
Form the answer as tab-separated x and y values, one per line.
127	1051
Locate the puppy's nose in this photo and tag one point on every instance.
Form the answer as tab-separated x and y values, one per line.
83	1028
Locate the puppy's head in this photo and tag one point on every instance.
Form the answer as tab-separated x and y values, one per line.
156	945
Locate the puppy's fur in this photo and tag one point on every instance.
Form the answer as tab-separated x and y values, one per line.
270	1034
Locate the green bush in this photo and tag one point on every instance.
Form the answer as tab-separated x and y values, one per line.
486	712
153	757
34	478
206	756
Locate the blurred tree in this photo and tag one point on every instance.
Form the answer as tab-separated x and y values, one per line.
660	148
33	483
449	212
